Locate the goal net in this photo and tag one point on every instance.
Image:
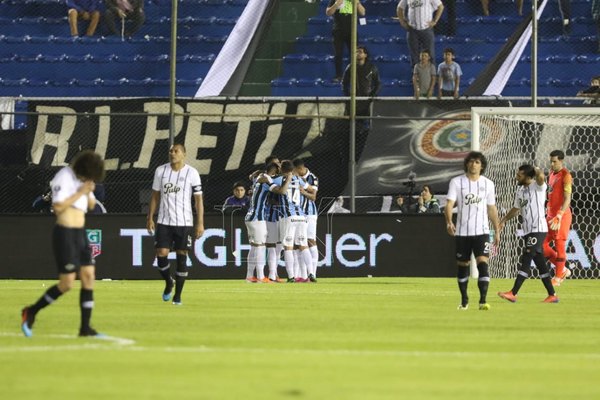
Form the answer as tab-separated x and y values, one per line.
510	137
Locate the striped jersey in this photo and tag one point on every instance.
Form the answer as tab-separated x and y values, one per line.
420	12
309	206
530	200
288	205
259	203
472	199
558	183
176	189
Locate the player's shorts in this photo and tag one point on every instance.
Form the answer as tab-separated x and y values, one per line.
173	237
311	229
478	245
257	232
534	242
71	249
272	232
565	226
293	231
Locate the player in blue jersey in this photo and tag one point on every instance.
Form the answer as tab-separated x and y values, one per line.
292	229
256	223
310	210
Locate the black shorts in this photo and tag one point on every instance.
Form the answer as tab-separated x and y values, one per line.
173	237
478	245
534	242
71	249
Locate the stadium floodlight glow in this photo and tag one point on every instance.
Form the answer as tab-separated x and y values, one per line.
512	136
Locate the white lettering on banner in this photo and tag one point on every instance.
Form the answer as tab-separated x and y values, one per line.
194	139
373	243
153	133
136	244
60	140
239	247
243	129
103	135
273	135
341	246
220	251
317	125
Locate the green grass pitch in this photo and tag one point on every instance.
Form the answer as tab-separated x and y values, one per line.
378	338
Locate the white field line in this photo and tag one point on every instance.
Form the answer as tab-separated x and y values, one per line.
109	339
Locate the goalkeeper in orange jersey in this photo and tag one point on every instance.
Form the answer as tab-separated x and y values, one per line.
558	215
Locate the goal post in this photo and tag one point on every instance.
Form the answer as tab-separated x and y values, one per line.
512	136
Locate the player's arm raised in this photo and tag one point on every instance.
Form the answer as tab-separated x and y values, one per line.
448	214
540	178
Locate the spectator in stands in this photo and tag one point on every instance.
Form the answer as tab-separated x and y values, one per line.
449	74
341	10
132	10
593	92
87	10
338	207
418	20
427	203
424	76
239	198
401	206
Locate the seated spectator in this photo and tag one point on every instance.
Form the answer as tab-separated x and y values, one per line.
593	92
427	203
400	205
424	76
239	198
132	10
449	74
87	10
338	207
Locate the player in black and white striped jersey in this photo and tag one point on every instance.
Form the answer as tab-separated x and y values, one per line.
530	200
475	198
174	185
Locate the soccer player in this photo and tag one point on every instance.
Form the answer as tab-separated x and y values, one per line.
292	227
558	215
174	185
72	196
475	198
310	210
529	201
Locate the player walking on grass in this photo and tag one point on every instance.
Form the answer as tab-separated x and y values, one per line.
72	196
174	185
475	198
529	201
558	215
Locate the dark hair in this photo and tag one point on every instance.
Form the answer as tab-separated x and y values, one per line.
528	170
449	50
89	166
180	145
558	153
430	190
364	49
238	184
426	51
272	166
270	159
286	166
476	155
298	162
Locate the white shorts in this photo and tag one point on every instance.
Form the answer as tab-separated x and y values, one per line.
311	229
272	232
293	231
257	231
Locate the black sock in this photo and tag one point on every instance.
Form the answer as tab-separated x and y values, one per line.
180	276
86	303
483	282
521	277
164	268
544	271
49	297
463	282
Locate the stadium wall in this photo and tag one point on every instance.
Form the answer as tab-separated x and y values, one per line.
349	246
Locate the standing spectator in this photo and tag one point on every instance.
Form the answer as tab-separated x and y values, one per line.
529	201
132	10
449	74
558	215
416	17
342	29
239	198
72	196
593	92
424	76
173	187
596	17
475	199
87	10
427	203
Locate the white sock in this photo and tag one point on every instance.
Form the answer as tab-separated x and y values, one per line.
297	272
314	252
307	258
272	262
288	256
301	271
260	262
251	262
